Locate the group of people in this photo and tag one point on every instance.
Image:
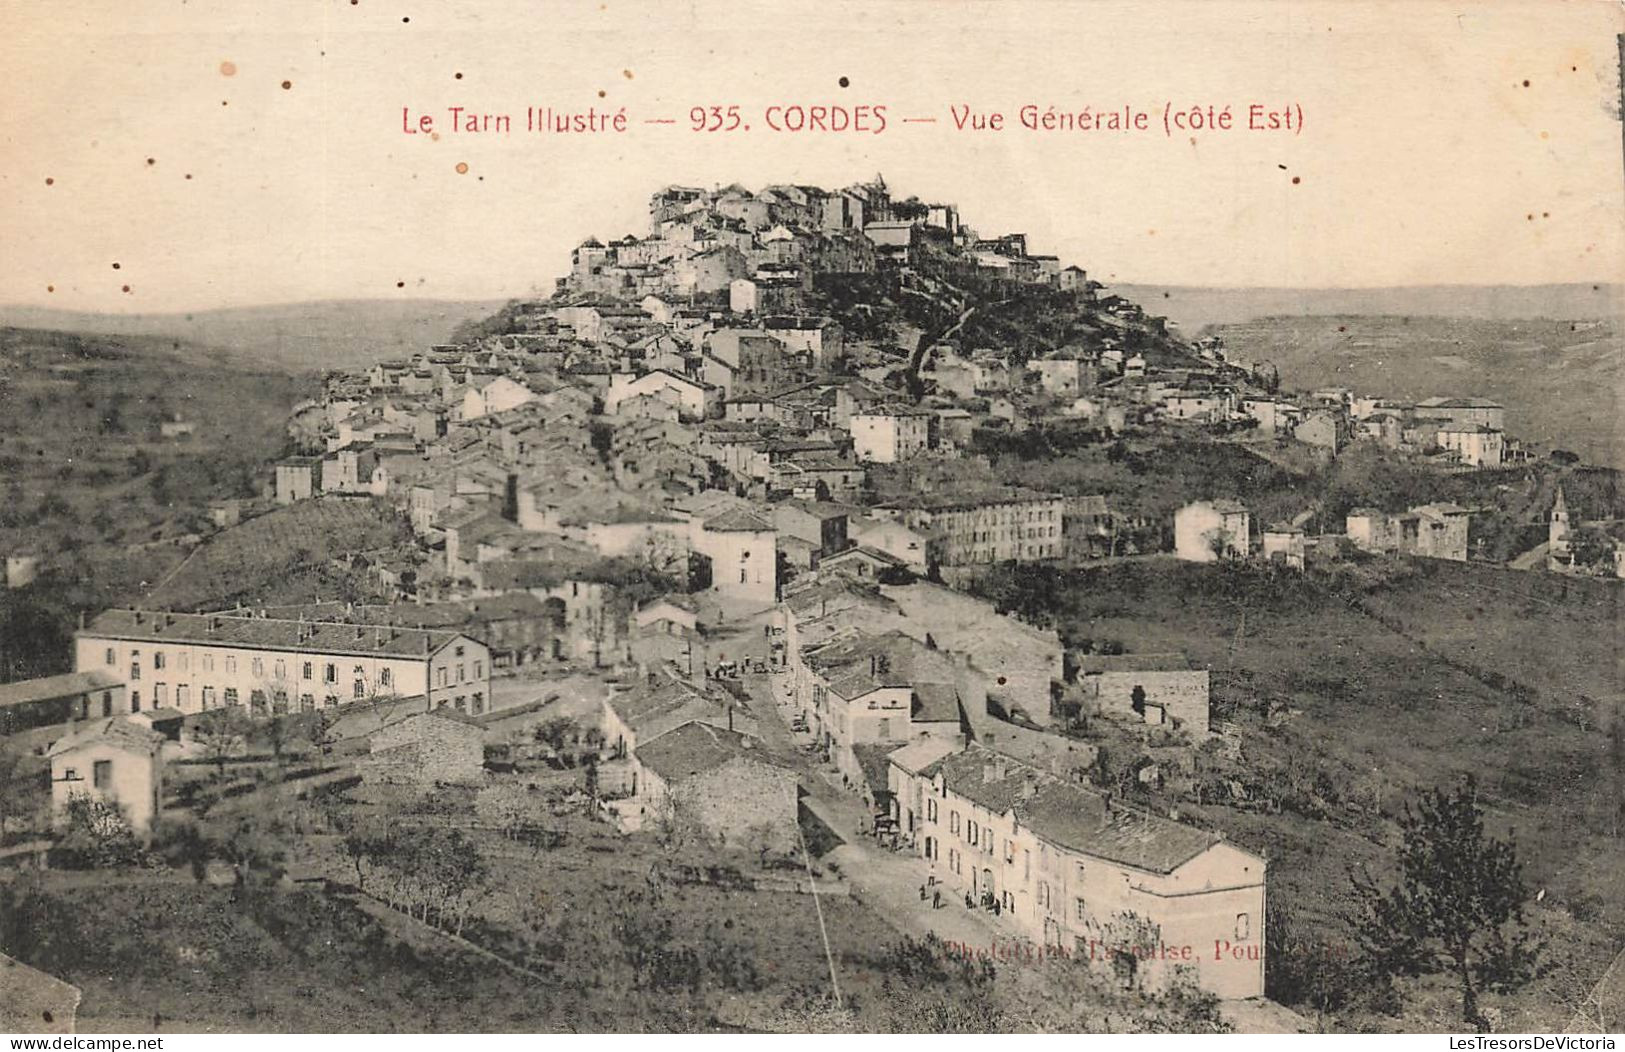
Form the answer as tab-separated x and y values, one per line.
988	902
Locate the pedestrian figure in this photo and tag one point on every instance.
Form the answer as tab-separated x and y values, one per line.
968	903
922	892
995	907
936	899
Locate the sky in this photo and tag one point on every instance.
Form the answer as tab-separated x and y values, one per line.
233	153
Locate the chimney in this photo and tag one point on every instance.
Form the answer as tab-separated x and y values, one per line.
137	613
991	773
1029	786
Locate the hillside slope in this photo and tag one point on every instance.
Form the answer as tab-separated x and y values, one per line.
292	337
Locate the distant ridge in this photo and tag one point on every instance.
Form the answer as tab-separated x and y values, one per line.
292	337
1193	306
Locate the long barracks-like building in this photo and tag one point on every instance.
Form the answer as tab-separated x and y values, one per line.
194	662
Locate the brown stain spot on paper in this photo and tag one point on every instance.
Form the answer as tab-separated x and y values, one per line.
434	136
626	73
115	266
49	181
843	82
1526	83
151	161
462	167
458	76
400	284
50	288
287	85
1296	180
228	69
126	288
602	93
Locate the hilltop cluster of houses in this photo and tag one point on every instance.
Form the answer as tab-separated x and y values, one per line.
684	403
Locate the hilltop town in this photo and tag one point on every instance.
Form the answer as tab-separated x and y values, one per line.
812	544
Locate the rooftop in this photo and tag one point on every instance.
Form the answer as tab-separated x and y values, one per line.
695	748
66	685
1068	815
117	732
267	633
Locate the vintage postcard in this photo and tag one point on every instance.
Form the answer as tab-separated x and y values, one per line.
818	517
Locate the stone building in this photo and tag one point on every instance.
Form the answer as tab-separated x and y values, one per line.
723	782
439	747
1141	897
1205	530
1157	689
1435	531
1009	525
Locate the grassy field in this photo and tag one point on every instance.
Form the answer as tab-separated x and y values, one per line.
283	556
1339	719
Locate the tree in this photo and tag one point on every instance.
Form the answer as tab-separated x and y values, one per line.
221	733
98	835
1221	542
1591	548
255	852
1458	906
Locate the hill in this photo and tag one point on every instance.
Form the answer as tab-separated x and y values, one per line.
1193	307
289	337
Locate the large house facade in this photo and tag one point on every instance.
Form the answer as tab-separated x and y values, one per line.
1108	885
275	666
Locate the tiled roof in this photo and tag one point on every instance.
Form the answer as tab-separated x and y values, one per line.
648	706
66	685
695	748
267	633
1069	815
117	732
936	703
738	520
874	760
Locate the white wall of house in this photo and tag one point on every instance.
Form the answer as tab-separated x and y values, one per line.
103	771
194	677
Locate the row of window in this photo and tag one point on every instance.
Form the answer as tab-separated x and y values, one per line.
257	667
981	836
1026	534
